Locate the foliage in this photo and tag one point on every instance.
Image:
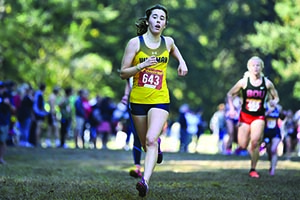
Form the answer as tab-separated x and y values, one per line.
34	173
281	40
80	43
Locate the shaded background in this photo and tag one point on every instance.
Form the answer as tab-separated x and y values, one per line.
80	43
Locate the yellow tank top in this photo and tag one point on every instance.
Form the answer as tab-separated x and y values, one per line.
150	85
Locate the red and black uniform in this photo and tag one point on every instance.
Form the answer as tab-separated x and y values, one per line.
253	102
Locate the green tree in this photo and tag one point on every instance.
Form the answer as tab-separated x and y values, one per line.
80	43
281	41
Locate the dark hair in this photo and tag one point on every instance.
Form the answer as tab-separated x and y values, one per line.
141	24
68	91
56	90
42	86
80	92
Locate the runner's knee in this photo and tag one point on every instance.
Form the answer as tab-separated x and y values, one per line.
151	141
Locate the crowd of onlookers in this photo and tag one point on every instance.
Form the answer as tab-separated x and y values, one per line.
38	120
67	114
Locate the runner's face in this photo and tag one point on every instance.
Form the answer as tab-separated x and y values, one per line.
255	66
157	21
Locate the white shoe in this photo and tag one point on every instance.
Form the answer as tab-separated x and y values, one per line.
48	143
57	143
29	145
126	148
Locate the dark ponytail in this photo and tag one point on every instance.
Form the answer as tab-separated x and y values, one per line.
141	26
141	23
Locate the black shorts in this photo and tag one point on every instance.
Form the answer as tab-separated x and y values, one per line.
142	109
269	134
293	135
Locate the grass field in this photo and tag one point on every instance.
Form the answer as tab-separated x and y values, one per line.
39	173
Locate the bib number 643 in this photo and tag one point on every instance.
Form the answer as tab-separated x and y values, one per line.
150	80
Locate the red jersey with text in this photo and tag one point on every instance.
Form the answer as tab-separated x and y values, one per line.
150	85
254	98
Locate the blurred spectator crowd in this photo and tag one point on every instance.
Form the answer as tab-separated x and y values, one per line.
72	119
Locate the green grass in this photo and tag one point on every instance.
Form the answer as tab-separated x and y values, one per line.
38	173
